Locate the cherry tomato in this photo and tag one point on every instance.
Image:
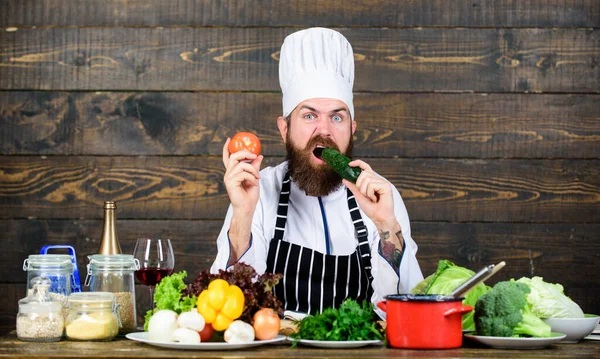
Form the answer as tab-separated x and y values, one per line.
266	324
244	141
206	333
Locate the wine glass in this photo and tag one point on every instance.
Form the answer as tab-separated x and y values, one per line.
156	261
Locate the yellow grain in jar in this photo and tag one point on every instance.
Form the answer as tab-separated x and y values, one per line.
92	317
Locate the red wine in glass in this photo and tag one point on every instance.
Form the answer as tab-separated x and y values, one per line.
156	261
152	276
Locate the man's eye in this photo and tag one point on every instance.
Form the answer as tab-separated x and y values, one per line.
337	118
309	116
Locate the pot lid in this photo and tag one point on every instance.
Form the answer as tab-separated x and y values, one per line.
423	298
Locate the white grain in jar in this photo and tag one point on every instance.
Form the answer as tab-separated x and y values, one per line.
40	318
40	327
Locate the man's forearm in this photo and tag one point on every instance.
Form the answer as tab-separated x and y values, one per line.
239	236
391	243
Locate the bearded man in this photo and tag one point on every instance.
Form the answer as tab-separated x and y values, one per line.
331	239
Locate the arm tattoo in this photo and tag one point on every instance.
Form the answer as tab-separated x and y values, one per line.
389	251
400	239
384	235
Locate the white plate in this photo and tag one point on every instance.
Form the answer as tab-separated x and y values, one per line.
143	337
337	344
595	334
517	343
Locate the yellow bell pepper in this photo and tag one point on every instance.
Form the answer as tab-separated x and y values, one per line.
220	304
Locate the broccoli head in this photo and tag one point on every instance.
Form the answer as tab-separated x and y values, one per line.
504	312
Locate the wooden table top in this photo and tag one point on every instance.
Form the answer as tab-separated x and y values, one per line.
11	347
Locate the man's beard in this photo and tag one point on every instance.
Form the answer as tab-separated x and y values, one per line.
314	179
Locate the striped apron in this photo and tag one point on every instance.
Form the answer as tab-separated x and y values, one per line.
313	281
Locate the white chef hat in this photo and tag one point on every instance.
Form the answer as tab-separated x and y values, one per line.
316	63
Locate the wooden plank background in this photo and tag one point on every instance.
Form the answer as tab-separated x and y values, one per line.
484	114
426	125
302	13
245	59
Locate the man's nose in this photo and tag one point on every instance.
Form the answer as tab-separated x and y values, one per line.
323	127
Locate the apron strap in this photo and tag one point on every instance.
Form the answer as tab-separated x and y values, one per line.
282	208
361	233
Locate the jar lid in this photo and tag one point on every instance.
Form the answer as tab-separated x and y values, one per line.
92	298
48	261
39	301
114	261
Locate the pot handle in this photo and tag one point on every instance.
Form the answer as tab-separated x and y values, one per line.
461	310
382	305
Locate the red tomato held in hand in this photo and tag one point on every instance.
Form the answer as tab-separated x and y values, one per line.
244	141
206	333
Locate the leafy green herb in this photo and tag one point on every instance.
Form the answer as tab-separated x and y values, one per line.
168	296
350	321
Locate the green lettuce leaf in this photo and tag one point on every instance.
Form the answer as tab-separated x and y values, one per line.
168	295
442	266
548	300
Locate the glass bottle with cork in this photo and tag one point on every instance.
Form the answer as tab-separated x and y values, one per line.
109	243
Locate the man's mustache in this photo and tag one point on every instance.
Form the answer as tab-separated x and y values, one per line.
323	141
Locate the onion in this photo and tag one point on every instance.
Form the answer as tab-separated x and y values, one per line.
266	324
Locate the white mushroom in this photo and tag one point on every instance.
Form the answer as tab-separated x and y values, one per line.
239	333
186	336
191	320
162	325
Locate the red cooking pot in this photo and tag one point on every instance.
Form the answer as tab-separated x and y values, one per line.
419	321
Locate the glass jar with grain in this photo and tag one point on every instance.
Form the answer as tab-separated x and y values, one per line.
40	317
115	273
92	316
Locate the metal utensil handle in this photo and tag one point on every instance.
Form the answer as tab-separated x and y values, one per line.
471	282
497	267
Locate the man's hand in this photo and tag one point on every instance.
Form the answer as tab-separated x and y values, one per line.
374	196
241	178
241	181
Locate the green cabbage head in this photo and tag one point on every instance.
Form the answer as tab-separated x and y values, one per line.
548	300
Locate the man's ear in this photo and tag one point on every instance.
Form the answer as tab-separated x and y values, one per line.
283	127
353	126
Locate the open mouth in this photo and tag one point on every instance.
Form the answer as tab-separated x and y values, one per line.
318	151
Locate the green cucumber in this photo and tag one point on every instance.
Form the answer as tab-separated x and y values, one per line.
339	163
